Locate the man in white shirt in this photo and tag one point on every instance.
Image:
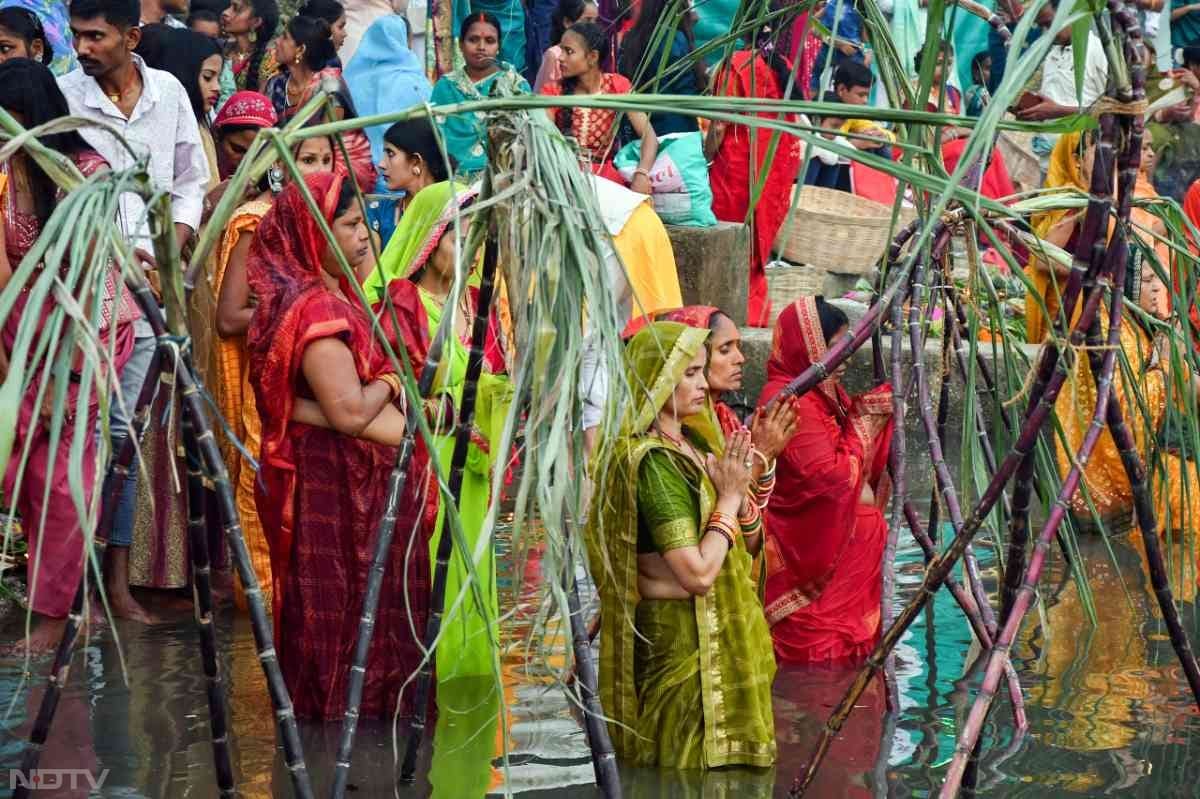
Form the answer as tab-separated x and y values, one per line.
1056	95
150	110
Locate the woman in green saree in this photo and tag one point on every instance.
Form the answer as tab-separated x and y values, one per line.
685	654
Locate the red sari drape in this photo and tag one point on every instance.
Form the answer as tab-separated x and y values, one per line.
1191	207
321	493
733	176
823	554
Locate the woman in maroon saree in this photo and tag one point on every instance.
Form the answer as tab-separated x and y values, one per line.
827	530
322	489
53	529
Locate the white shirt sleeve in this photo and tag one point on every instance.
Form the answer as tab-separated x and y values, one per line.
190	180
1095	78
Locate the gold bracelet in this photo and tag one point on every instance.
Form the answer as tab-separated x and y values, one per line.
768	466
392	381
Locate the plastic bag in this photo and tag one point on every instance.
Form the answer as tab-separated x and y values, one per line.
681	194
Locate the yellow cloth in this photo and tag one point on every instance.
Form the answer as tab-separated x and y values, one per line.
235	399
1064	173
866	127
645	249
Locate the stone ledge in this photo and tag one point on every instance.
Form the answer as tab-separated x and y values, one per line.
713	265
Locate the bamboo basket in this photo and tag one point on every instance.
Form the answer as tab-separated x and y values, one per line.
786	282
837	231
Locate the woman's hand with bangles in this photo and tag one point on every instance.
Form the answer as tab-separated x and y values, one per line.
772	427
730	473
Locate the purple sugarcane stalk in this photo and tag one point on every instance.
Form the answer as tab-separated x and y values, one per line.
1040	407
1027	592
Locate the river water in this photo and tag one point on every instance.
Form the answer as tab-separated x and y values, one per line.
1109	711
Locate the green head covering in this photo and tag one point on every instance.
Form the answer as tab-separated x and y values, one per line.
655	360
418	232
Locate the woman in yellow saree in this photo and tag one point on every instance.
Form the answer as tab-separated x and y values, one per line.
1140	383
685	654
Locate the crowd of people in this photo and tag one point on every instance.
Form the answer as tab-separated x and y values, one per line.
719	545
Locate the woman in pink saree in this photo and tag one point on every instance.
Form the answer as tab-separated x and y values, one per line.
42	488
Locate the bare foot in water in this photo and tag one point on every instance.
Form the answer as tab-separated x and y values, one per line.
43	639
126	607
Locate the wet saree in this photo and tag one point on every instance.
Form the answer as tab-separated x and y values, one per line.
235	399
825	548
322	493
694	690
735	173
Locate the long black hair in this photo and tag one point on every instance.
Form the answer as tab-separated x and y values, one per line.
27	26
28	88
180	52
566	10
268	13
417	137
635	46
329	10
313	34
596	40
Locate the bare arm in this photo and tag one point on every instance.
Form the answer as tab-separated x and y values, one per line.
387	428
235	307
1182	11
643	128
328	366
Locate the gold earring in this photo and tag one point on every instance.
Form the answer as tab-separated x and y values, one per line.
416	170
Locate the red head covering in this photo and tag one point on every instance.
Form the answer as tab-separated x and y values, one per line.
798	344
295	307
691	315
246	108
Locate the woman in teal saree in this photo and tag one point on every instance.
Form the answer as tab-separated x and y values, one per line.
481	75
685	653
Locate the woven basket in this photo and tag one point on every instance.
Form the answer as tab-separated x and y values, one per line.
786	283
837	231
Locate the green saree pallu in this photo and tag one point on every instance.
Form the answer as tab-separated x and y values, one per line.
469	637
685	682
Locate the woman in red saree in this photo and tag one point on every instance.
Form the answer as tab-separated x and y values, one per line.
322	489
827	531
735	176
1191	208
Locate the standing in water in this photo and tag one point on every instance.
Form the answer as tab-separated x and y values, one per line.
823	591
235	308
331	410
482	75
671	557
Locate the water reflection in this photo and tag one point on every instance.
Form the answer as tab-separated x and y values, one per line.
1109	711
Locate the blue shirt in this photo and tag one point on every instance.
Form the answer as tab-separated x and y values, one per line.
849	26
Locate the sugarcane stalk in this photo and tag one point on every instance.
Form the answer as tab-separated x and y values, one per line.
604	758
941	471
59	672
259	623
202	598
1027	592
458	459
1039	408
397	480
898	461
